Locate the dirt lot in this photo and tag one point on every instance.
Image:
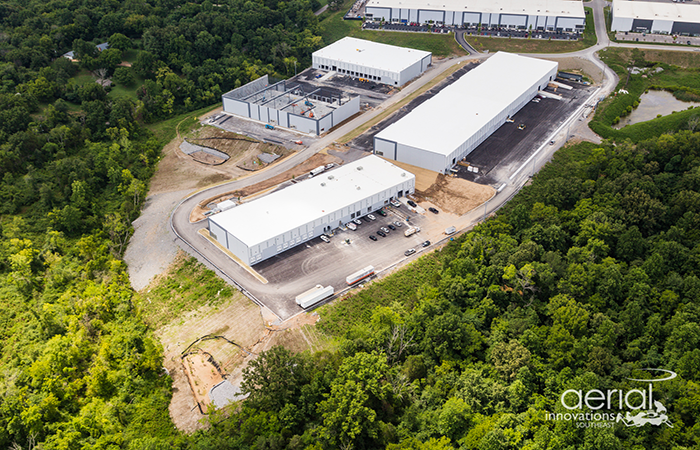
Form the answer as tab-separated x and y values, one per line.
177	171
424	178
456	195
580	66
243	151
302	169
217	332
202	376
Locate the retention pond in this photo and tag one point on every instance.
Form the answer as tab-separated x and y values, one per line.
652	104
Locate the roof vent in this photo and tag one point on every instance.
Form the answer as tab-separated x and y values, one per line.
358	188
330	177
359	167
323	184
403	174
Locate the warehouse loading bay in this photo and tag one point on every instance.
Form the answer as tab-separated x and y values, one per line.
513	143
333	84
329	263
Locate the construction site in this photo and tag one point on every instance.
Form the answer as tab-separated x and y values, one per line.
304	108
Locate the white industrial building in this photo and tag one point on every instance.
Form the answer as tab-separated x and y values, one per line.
373	61
447	127
655	17
554	15
270	225
291	105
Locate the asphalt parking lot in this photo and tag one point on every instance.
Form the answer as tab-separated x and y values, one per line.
317	262
509	147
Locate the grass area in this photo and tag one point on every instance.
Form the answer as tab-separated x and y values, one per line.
683	82
335	28
495	44
367	125
186	286
166	130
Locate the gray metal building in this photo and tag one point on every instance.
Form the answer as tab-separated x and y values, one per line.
288	105
447	127
656	17
270	225
373	61
554	15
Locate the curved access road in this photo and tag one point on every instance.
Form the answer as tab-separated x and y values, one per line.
188	232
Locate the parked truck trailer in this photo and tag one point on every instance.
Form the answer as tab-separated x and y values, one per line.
360	275
314	295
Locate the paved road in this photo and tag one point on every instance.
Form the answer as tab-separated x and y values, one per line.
459	37
187	231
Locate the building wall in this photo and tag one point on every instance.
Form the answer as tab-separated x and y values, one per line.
236	107
261	251
686	28
621	23
662	26
425	15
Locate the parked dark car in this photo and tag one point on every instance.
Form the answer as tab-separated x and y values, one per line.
381	233
373	237
433	210
412	203
391	227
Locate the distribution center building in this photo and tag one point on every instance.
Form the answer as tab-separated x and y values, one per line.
654	17
291	105
447	127
270	225
541	15
373	61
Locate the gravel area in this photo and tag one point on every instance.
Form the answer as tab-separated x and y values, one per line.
152	248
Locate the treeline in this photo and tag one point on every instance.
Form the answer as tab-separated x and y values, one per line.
187	54
589	274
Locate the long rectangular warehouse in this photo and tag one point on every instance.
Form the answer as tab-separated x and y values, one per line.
270	225
656	17
553	15
373	61
447	127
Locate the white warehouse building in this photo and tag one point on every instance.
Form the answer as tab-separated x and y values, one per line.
553	15
373	61
654	17
268	226
447	127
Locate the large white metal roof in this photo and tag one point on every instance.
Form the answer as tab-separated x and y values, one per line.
454	114
677	12
281	211
558	8
371	54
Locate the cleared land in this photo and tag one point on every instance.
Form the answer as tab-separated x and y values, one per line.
195	312
456	195
242	151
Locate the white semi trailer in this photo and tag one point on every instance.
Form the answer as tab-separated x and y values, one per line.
314	295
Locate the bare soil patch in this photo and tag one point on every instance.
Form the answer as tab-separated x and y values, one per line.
206	158
580	66
300	170
243	151
456	195
213	342
202	375
424	178
178	171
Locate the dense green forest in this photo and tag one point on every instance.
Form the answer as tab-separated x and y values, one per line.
587	275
